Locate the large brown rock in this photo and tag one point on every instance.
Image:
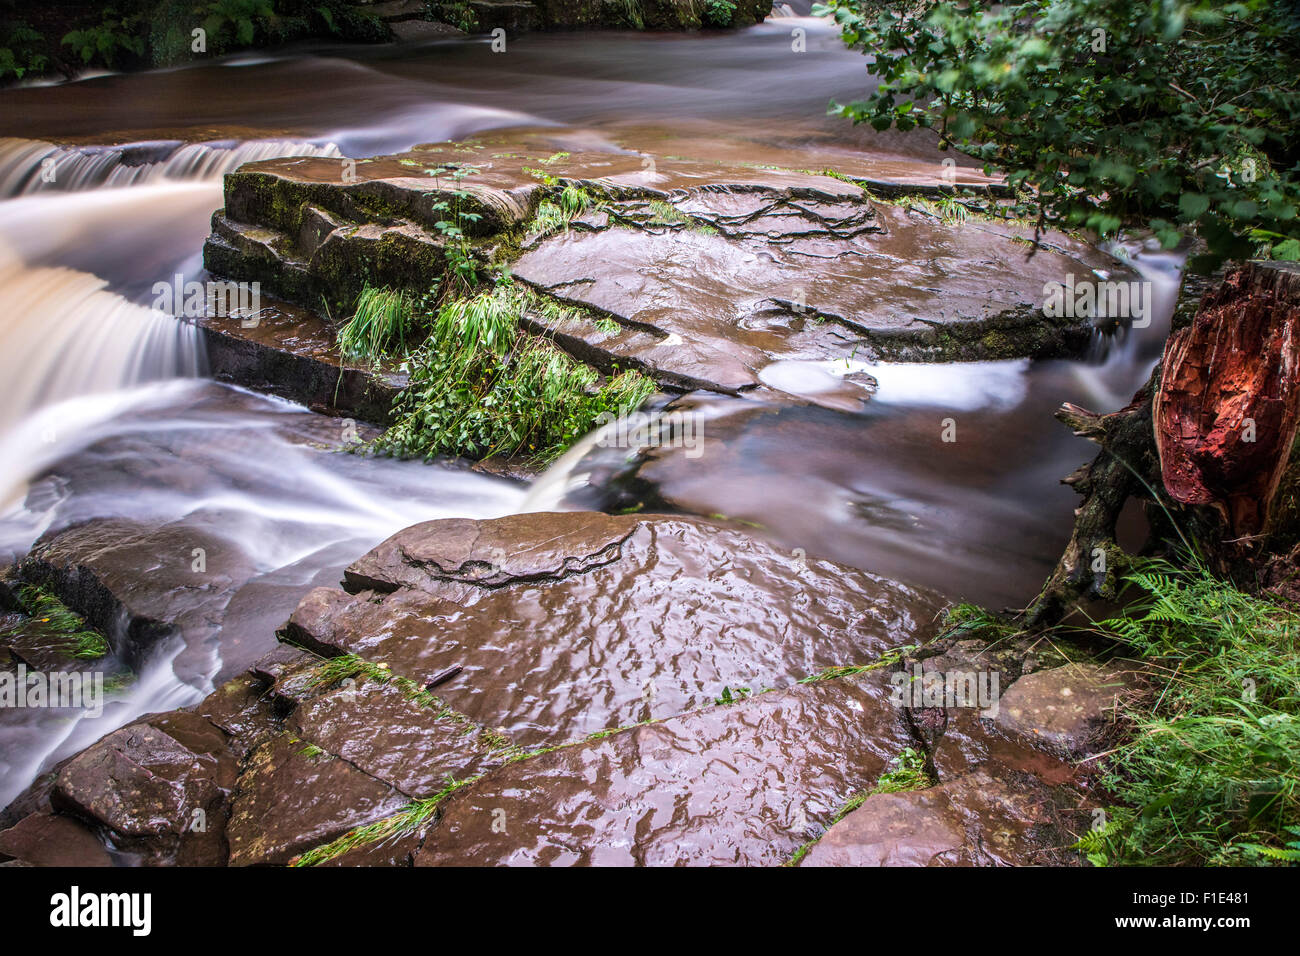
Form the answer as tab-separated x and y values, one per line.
160	786
140	583
975	820
713	259
565	624
740	784
1068	710
43	839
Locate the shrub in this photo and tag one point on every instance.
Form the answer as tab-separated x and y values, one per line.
719	13
1170	114
1211	775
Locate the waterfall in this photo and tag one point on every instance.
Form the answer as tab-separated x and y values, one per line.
31	166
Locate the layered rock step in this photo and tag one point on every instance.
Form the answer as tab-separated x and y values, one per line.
290	351
561	625
555	689
695	265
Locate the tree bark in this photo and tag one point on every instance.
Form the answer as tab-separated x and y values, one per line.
1205	443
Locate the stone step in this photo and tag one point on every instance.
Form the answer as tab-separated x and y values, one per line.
563	625
740	784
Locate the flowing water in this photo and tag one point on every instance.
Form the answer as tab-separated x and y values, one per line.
107	413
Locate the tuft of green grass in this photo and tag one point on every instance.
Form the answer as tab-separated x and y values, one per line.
973	620
1211	772
887	659
67	628
382	326
407	820
480	387
668	214
554	215
907	772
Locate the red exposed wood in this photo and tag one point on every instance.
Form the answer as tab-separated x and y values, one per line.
1236	364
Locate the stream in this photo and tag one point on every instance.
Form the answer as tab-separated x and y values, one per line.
108	413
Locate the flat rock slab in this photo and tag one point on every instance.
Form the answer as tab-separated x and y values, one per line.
289	801
289	351
777	276
139	583
1066	710
975	820
712	263
377	729
740	784
43	839
554	626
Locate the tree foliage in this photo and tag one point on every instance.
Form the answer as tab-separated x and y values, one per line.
1176	115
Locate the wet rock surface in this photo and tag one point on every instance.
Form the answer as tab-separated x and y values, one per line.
738	784
159	788
288	351
290	799
138	583
569	688
706	267
562	625
1069	709
43	839
974	820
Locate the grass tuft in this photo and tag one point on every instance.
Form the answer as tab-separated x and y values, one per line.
381	326
480	387
407	820
55	618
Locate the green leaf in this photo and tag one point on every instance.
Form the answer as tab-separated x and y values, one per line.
1288	251
1193	205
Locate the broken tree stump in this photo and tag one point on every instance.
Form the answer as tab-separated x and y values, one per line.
1229	400
1205	443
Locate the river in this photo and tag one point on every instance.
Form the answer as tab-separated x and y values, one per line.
107	412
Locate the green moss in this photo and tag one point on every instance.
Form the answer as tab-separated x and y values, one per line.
63	628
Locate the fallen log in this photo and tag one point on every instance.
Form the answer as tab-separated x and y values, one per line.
1207	445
